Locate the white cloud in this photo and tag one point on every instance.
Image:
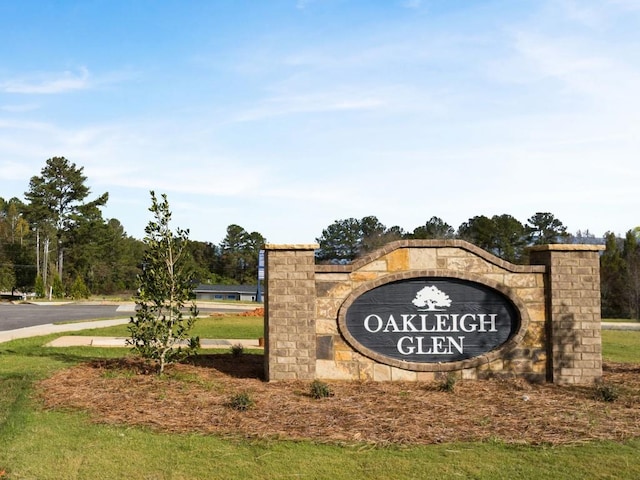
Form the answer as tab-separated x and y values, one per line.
465	112
21	108
302	4
15	171
309	103
579	65
598	14
412	4
50	83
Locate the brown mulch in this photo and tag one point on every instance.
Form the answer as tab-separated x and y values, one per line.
195	398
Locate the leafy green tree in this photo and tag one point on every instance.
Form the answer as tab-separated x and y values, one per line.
510	238
104	256
79	289
375	235
21	259
119	261
7	277
159	331
13	227
372	234
57	203
86	249
434	228
239	254
57	287
612	278
340	241
502	235
18	264
253	244
205	258
344	240
631	255
545	228
478	230
39	288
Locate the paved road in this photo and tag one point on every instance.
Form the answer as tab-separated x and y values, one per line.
14	316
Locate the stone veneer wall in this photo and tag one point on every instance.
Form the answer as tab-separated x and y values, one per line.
290	311
525	355
573	302
304	303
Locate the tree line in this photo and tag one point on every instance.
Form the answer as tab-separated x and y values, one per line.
57	242
502	235
506	237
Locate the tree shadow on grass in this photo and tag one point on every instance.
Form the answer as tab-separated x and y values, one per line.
66	356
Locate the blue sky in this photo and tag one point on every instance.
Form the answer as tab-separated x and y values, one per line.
283	116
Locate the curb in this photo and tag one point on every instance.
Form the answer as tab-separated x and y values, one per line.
620	326
39	330
121	342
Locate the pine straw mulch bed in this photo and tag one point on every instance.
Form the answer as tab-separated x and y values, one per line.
195	398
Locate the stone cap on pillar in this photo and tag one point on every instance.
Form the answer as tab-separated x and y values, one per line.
291	246
567	247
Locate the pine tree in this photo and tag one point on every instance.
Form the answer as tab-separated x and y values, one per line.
79	289
39	288
57	288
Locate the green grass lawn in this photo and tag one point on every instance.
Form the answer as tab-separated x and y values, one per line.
621	346
39	444
232	326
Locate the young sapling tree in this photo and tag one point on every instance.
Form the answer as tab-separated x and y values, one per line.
160	331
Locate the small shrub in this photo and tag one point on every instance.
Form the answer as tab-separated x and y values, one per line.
237	350
320	390
449	383
241	402
606	392
79	289
39	288
57	288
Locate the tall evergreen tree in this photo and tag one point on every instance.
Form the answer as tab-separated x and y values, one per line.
631	255
502	235
57	203
479	230
510	238
545	228
340	241
18	262
434	228
612	279
239	254
375	235
345	240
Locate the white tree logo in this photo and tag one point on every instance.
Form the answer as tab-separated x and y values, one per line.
431	299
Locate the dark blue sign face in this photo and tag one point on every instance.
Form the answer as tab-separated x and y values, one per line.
432	320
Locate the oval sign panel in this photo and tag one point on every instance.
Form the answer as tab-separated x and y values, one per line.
431	320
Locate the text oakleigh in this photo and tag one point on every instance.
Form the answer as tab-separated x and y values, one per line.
446	320
450	325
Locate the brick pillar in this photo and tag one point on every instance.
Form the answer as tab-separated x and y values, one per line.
290	312
573	311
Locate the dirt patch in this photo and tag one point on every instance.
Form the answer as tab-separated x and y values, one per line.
195	398
256	312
